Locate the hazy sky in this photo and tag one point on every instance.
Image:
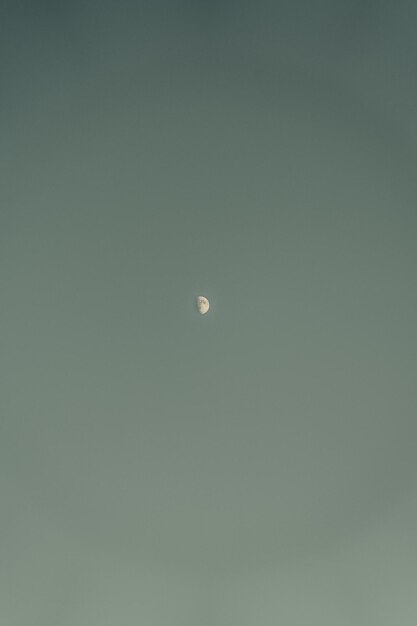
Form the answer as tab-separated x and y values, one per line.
255	465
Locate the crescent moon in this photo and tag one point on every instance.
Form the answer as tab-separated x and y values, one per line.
203	305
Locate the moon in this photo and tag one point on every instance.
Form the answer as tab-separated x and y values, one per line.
203	305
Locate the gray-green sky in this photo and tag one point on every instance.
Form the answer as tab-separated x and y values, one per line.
256	465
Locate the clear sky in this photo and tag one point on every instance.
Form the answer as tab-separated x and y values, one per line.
255	465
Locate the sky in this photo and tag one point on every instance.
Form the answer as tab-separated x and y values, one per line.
256	464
